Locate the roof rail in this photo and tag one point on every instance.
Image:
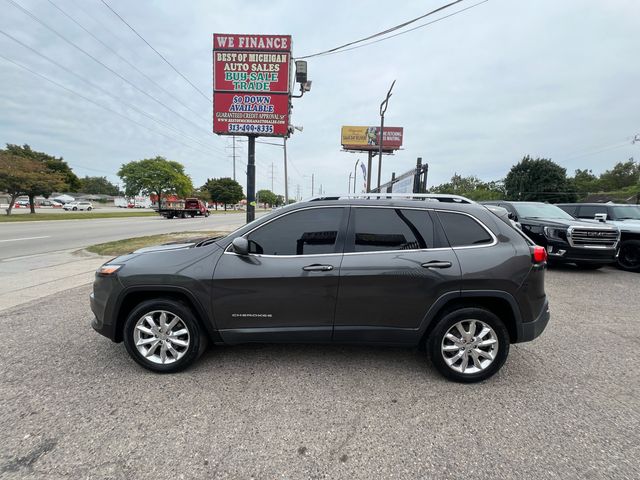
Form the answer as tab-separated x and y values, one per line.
435	197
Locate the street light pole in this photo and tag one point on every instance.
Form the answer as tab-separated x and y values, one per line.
383	109
350	177
286	178
355	175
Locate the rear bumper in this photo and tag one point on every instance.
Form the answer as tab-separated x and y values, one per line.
531	330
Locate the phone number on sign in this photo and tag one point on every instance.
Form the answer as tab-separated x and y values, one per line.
250	128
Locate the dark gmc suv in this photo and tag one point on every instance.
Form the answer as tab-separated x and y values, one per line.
625	217
449	276
589	245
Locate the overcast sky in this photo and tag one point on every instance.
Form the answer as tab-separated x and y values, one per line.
474	92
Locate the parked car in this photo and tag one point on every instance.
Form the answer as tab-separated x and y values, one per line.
88	206
589	245
21	203
50	204
451	277
625	217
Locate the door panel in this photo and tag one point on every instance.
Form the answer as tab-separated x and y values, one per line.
391	286
285	290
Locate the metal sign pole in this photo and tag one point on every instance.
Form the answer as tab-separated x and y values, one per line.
370	153
251	180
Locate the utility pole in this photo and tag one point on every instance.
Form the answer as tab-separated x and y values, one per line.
383	109
355	176
312	184
298	191
349	188
272	176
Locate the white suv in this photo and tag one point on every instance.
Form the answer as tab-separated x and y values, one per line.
88	206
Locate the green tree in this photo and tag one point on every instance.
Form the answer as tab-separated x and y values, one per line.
54	165
98	186
471	187
584	182
622	175
223	190
22	175
267	196
538	179
155	176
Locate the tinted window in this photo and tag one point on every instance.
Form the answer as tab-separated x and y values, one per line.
570	209
462	230
380	229
540	210
305	232
591	210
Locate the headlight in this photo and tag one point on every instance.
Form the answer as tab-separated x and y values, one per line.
556	233
107	270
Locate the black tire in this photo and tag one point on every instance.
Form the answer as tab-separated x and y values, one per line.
183	215
206	214
629	256
74	208
193	215
88	209
436	339
589	266
197	338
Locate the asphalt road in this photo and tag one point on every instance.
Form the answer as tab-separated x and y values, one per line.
565	406
22	239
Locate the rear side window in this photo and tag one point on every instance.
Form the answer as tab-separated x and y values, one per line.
463	231
306	232
384	229
570	209
590	211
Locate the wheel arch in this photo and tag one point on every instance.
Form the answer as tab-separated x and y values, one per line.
132	297
498	302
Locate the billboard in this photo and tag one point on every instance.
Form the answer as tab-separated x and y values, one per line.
251	83
367	138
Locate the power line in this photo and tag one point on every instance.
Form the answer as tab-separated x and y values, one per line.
384	32
99	88
115	52
157	52
27	12
99	104
410	29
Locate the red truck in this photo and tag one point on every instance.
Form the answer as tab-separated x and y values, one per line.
189	208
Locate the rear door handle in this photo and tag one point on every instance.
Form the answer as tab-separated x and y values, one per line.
317	268
436	264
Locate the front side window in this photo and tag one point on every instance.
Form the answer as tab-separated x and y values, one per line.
463	231
384	229
306	232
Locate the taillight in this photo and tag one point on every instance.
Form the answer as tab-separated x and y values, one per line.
539	254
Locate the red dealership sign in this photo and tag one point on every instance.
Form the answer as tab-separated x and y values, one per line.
251	78
251	114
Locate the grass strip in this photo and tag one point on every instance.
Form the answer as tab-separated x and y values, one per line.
128	245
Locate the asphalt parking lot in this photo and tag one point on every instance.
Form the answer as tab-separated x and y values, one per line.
564	406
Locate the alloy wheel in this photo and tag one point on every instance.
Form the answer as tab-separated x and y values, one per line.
161	337
469	346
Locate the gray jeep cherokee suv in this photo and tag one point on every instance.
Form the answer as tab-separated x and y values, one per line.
451	277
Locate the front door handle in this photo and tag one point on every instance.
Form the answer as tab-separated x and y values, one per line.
317	268
436	264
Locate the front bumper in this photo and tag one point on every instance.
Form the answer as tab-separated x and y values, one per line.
565	253
101	301
531	330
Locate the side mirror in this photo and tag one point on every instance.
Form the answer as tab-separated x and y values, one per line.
511	215
240	246
601	217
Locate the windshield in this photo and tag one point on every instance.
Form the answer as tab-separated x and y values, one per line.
630	212
540	210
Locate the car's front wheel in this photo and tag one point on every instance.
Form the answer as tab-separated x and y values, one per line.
629	256
163	335
469	345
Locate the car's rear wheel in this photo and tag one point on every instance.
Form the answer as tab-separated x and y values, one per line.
163	336
74	208
88	209
629	256
469	345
